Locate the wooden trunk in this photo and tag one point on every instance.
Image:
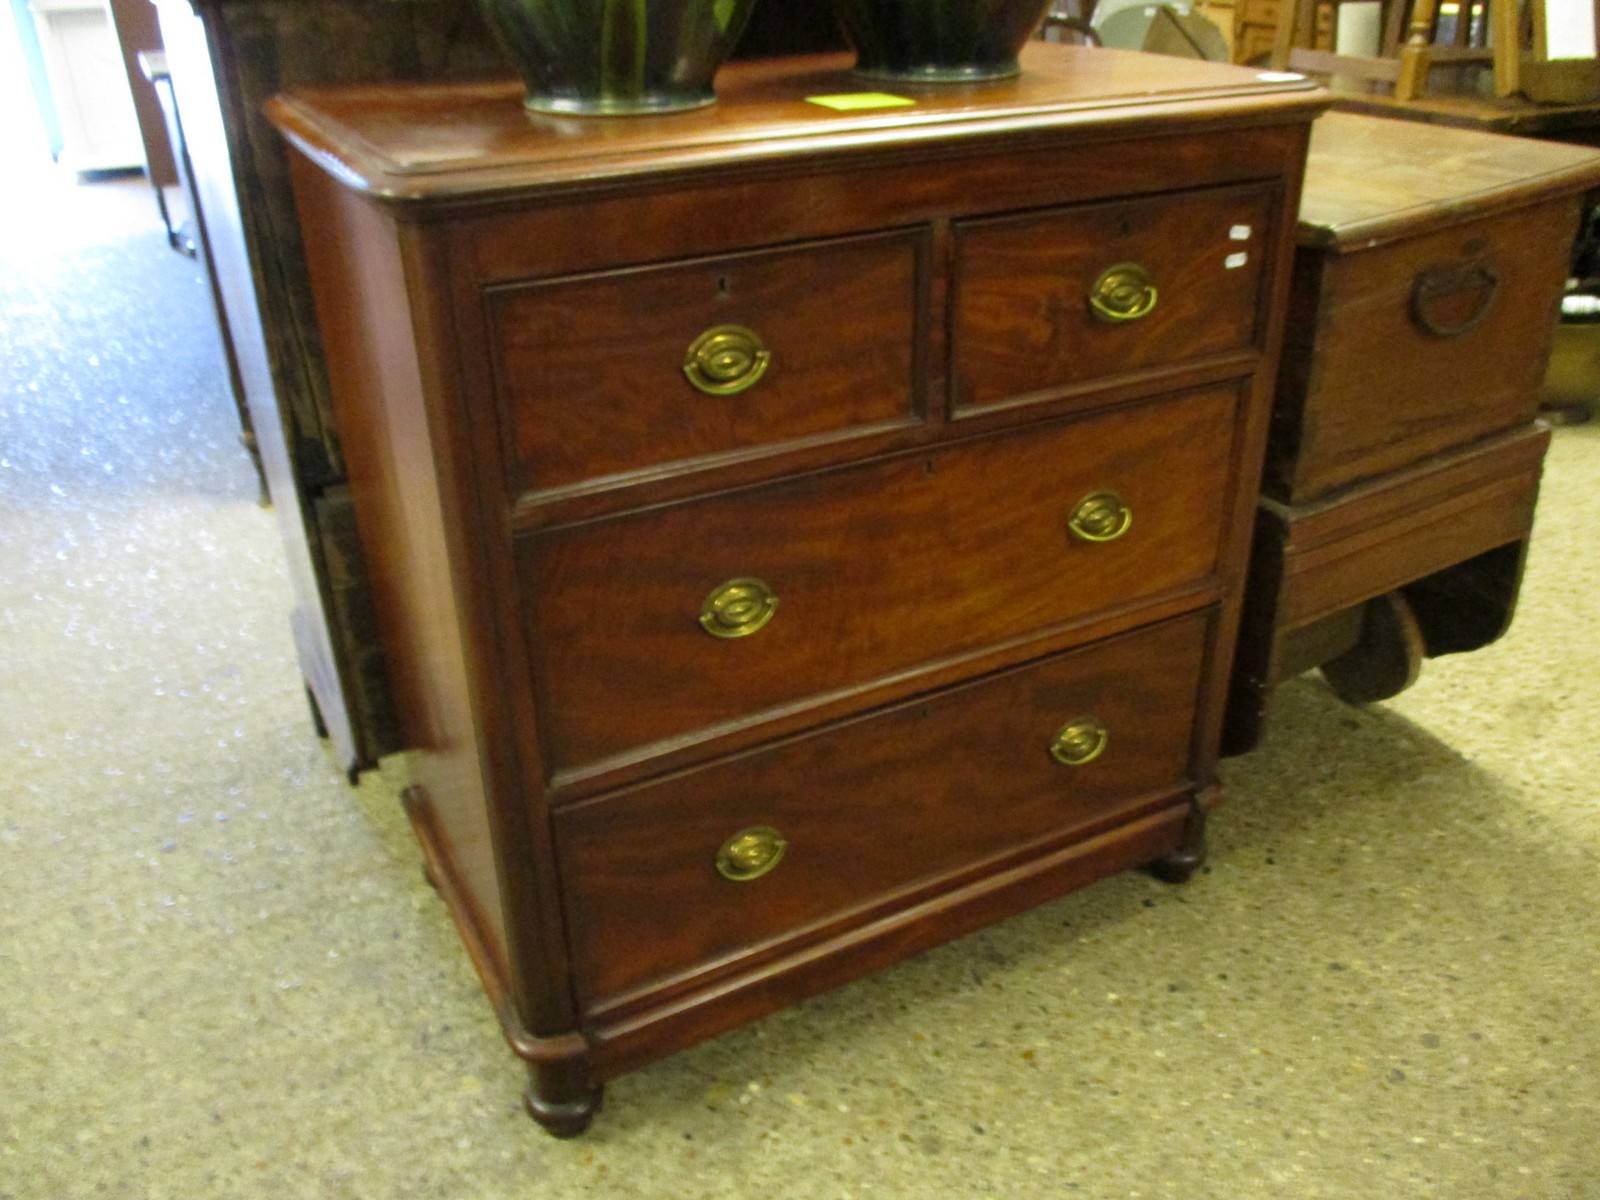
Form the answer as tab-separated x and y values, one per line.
801	536
1404	456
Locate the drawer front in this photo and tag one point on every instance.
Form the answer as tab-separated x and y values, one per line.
610	374
1409	525
907	797
875	570
1422	345
1050	302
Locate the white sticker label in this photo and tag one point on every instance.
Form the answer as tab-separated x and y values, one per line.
1234	261
1239	233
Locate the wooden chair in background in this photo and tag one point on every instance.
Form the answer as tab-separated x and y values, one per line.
1068	21
1417	37
1420	37
1550	54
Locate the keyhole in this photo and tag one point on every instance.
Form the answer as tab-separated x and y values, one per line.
928	467
1124	226
723	290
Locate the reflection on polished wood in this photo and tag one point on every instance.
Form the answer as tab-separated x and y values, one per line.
557	516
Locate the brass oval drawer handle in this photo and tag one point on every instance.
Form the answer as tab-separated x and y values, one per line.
1101	516
750	853
726	359
1123	293
1079	742
738	608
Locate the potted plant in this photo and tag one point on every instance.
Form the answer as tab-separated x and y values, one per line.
938	41
604	57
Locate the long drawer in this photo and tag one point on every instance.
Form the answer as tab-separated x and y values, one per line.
668	623
703	871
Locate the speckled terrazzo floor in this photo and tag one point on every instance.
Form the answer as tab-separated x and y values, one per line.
221	974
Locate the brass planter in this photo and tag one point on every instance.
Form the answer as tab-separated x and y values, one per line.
616	57
939	41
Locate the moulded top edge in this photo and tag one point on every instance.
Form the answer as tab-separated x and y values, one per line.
1372	180
416	141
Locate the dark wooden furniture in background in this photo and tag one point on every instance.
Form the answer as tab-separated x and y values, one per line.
226	58
190	238
613	393
1405	457
1255	26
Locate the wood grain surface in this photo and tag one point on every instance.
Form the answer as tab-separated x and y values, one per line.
1366	388
1370	181
1023	325
509	300
592	369
871	808
878	570
472	141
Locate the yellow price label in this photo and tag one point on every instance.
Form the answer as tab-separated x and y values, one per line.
855	101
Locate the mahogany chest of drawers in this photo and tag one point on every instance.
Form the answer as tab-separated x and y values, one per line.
1404	458
802	536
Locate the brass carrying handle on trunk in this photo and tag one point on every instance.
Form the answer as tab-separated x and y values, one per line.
1434	285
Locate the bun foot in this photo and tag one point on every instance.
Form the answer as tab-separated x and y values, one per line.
1179	864
562	1118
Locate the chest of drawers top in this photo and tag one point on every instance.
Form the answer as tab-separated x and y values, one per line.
471	145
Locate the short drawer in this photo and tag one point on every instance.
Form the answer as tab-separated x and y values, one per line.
722	609
873	814
604	375
1050	302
